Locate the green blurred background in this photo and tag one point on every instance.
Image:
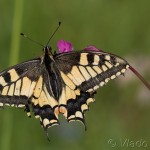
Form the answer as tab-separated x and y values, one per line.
120	117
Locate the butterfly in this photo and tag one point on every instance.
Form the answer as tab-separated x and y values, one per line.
60	83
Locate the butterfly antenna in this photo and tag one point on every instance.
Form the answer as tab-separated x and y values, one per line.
139	76
22	34
54	33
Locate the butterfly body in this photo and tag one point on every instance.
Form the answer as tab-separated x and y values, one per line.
53	72
59	83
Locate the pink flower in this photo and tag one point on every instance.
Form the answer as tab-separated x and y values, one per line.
92	48
64	46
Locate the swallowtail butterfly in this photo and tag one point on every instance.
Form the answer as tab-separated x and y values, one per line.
60	83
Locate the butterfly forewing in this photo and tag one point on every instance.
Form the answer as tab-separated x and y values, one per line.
83	73
89	70
17	83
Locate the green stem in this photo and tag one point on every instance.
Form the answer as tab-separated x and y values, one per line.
14	55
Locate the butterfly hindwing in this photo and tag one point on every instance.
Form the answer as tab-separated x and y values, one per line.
85	72
73	102
43	103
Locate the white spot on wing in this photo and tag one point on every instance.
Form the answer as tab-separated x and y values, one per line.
118	73
32	87
67	81
71	117
45	122
89	100
79	114
91	72
104	68
83	59
17	88
96	60
43	99
1	104
107	57
50	99
11	90
77	75
96	87
84	73
90	90
84	107
123	70
26	83
13	74
127	66
102	83
107	79
113	77
2	81
62	99
108	64
38	87
97	69
117	64
73	79
21	105
5	90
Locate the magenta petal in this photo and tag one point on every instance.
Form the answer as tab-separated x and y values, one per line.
64	46
92	48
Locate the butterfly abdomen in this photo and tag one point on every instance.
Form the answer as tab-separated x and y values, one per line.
54	76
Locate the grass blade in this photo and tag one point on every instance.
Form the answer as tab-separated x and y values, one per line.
14	54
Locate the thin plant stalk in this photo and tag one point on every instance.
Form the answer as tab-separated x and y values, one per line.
6	135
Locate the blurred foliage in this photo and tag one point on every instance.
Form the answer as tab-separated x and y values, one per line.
121	111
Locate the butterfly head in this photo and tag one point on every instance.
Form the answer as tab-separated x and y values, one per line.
47	50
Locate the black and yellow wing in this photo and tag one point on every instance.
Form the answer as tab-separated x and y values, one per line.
61	83
83	73
27	86
16	83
